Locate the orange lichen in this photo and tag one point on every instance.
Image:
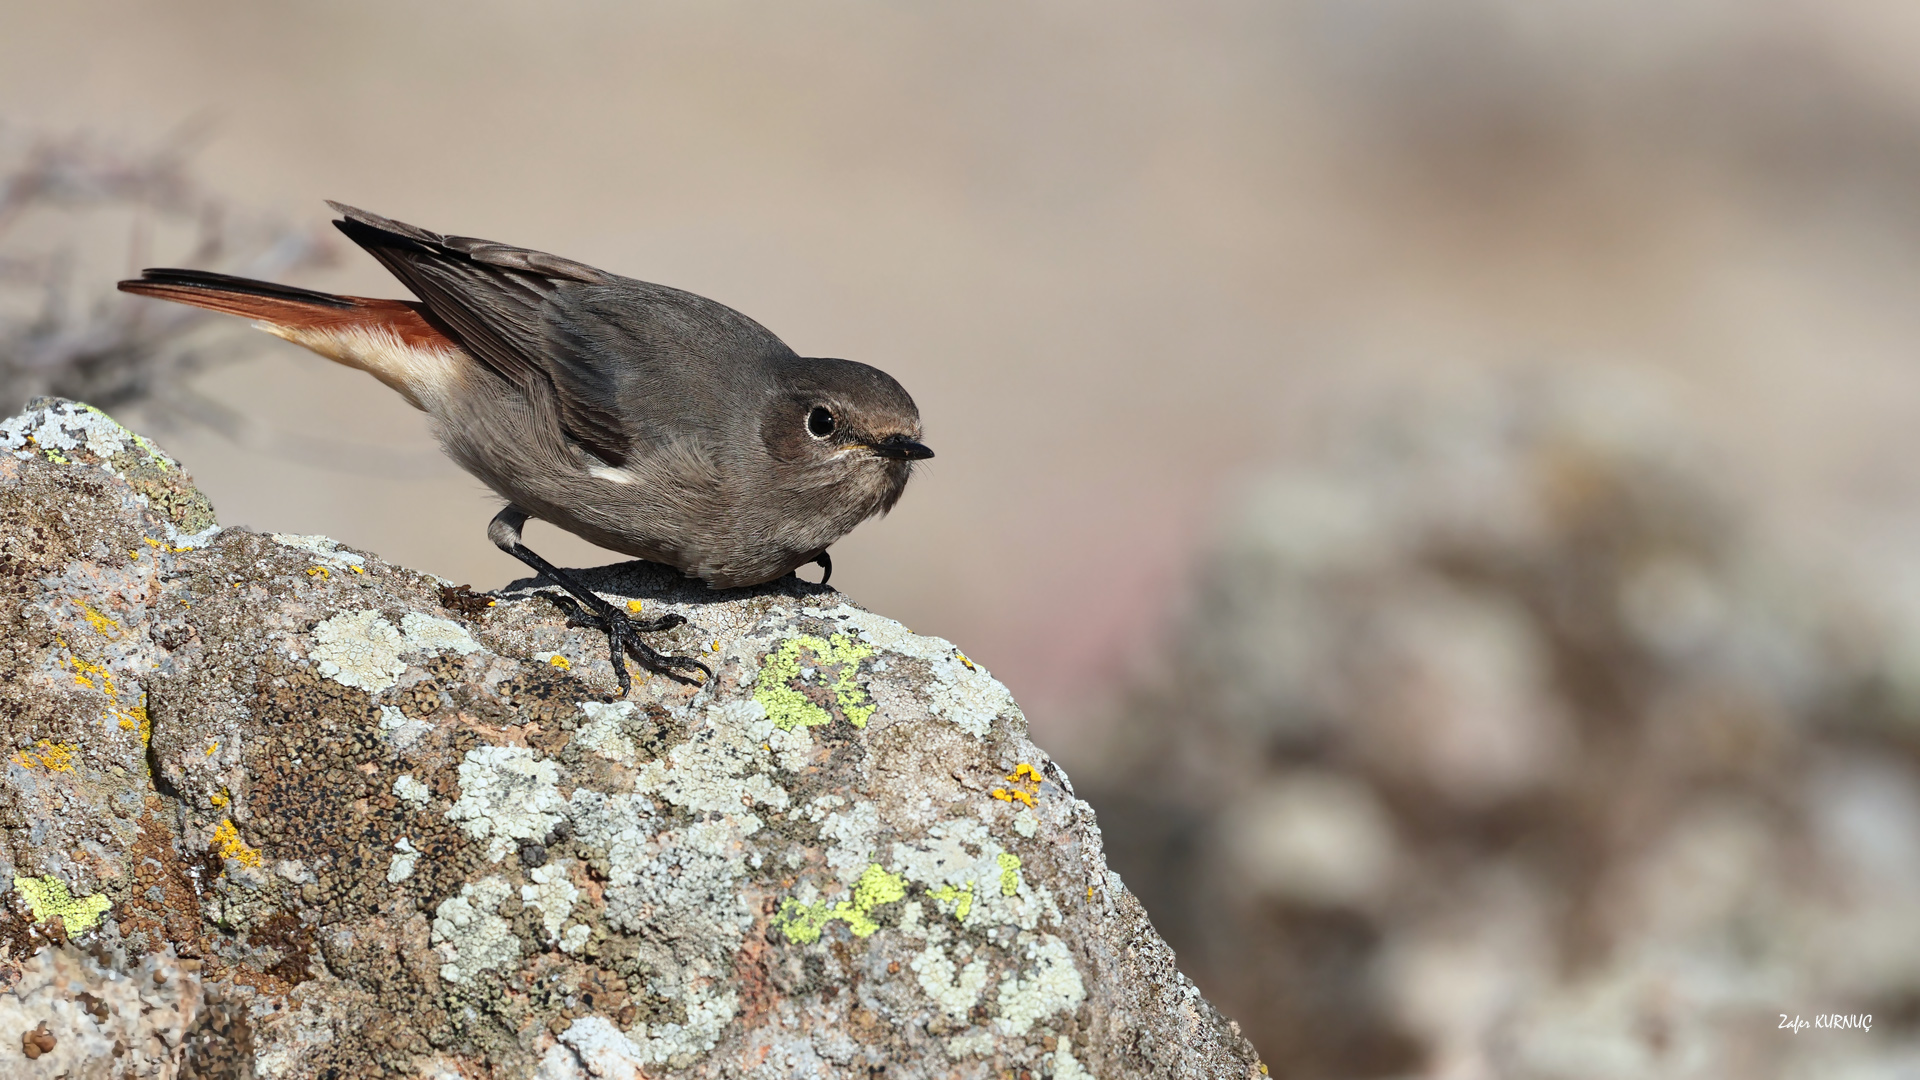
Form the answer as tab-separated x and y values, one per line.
52	756
1026	779
227	839
135	719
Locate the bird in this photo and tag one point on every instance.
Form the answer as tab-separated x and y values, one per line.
642	418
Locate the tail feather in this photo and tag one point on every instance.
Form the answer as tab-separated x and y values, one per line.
390	339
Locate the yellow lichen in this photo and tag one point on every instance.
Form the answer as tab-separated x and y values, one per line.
560	662
160	460
962	657
52	756
803	923
1009	873
213	748
787	707
320	572
48	897
101	624
227	839
356	569
960	896
90	675
635	607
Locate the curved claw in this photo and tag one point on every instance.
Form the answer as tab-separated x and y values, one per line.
623	641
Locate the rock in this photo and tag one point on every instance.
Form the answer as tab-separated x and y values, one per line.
274	807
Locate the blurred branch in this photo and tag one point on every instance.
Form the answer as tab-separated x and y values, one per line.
64	330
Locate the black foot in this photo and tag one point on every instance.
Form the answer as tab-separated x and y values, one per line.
584	608
623	640
825	562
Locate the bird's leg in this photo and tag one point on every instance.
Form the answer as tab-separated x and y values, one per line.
825	562
622	632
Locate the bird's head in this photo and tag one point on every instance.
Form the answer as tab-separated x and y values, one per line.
838	421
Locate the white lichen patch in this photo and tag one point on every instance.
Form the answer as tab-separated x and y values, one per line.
553	892
715	769
507	794
1065	1066
679	892
400	868
407	788
428	633
598	1050
852	832
400	729
1050	985
604	733
620	825
959	691
68	427
470	935
324	548
955	991
1026	823
977	1044
606	1051
793	748
358	649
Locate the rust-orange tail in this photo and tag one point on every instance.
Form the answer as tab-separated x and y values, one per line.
389	339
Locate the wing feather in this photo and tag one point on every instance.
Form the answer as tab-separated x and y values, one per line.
493	297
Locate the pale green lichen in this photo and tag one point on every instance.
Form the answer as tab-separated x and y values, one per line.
1052	987
358	649
957	690
509	795
48	897
326	548
803	923
428	633
973	876
787	707
470	935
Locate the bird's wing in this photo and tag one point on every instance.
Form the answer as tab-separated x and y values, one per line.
492	298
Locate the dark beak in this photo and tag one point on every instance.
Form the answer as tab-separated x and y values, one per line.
900	448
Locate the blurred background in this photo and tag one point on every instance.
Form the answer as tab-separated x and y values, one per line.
1444	477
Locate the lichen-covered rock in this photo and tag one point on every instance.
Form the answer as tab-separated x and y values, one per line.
277	808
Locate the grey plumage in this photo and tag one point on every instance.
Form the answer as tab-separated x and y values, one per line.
643	418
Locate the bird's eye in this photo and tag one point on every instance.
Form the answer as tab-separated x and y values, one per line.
820	422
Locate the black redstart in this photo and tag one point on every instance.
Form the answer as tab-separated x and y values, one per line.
645	419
